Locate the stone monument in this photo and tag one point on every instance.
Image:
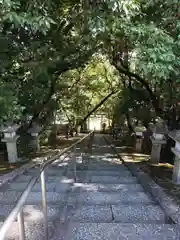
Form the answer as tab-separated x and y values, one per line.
34	131
139	130
10	138
158	140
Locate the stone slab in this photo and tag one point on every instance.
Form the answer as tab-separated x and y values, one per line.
50	172
138	213
111	179
52	186
113	197
33	231
32	212
108	187
57	179
117	231
10	197
109	173
99	168
92	214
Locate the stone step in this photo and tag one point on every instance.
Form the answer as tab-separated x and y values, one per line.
123	213
95	187
34	230
108	173
125	231
10	197
50	186
111	179
84	197
33	212
36	171
112	198
101	166
57	179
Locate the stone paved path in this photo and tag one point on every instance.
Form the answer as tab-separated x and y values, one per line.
106	202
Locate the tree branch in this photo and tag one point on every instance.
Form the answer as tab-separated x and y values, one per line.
152	96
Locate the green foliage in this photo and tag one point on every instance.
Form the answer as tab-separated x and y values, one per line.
46	50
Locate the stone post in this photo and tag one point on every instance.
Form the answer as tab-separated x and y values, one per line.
35	141
176	150
156	149
139	137
158	140
10	138
34	131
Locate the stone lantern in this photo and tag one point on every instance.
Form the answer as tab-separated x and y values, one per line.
10	138
175	135
158	140
34	131
139	130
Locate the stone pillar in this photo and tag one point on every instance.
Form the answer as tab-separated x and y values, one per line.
156	149
11	149
139	140
34	132
35	141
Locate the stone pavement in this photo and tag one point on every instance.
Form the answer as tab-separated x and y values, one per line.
106	202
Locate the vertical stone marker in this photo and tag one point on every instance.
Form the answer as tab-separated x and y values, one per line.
158	140
175	135
34	131
139	130
10	138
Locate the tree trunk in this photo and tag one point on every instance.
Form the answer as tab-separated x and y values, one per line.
129	123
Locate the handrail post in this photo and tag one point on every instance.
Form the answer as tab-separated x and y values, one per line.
44	204
20	218
74	163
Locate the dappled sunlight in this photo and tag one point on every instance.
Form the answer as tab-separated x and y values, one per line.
135	157
32	213
86	187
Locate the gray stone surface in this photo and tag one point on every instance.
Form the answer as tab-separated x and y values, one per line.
32	212
138	213
52	186
113	197
108	187
117	231
109	173
108	207
33	198
109	167
9	196
92	214
57	179
112	179
34	231
53	172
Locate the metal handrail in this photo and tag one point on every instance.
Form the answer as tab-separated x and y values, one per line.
18	208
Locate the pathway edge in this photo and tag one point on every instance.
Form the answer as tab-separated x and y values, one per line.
167	203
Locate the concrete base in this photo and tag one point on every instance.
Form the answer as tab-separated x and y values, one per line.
176	169
156	150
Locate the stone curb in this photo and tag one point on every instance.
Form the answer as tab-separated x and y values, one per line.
167	203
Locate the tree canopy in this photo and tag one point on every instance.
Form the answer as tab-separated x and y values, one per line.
71	55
